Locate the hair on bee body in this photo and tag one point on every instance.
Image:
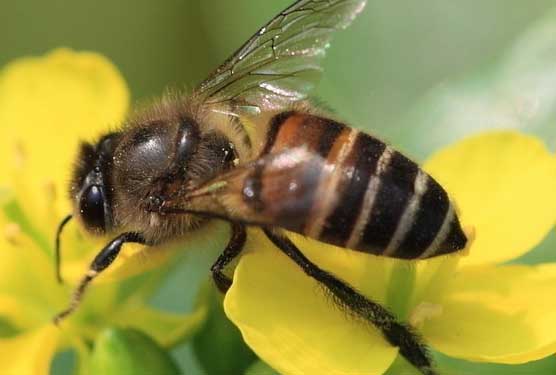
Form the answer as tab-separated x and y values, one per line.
247	147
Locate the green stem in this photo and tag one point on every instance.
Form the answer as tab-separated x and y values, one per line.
400	288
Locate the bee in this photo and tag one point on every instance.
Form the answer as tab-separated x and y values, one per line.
248	147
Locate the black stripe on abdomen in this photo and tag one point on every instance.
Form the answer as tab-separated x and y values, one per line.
455	239
365	154
428	220
331	131
395	190
274	128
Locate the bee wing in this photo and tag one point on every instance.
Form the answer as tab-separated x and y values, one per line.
282	62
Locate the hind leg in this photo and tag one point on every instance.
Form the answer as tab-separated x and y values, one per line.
397	333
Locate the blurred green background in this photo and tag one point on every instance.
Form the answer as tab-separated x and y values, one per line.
377	70
420	74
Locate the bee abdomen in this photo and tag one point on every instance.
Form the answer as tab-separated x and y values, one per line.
368	197
388	206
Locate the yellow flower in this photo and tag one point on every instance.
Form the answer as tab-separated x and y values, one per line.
47	105
475	307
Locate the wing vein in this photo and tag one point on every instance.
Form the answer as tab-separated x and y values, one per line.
291	44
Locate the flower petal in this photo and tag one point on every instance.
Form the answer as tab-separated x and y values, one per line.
13	312
47	105
29	353
289	322
26	270
168	329
503	184
504	314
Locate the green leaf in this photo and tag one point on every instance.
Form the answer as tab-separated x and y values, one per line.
542	253
127	351
452	366
64	363
260	368
219	345
402	367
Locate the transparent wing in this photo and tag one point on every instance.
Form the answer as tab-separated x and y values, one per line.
282	62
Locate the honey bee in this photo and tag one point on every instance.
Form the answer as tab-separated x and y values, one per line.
248	147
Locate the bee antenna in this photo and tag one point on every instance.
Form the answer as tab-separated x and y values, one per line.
57	247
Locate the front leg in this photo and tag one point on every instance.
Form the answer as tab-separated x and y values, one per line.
234	247
103	259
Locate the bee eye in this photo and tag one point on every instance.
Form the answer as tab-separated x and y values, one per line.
91	208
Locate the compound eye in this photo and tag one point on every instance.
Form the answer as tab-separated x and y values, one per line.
91	207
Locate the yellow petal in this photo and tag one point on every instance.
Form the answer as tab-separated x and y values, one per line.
287	320
47	104
504	314
29	353
13	312
168	329
503	184
26	270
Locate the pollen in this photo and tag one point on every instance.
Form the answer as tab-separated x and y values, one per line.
470	234
20	155
50	190
154	220
424	311
12	232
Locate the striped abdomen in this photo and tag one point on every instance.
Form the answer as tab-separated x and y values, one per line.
351	190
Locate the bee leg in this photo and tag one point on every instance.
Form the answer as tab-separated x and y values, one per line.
57	255
103	259
397	333
234	247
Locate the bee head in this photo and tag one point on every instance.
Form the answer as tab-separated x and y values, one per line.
89	189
